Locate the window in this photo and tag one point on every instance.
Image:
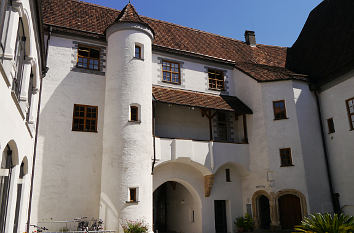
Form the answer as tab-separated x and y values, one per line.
221	126
3	6
134	113
330	126
350	108
171	72
227	174
133	195
85	118
285	157
138	51
216	79
279	110
19	59
88	58
30	93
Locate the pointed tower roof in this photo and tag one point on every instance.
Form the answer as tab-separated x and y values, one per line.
129	15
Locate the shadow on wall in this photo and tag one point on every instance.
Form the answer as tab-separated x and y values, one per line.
70	162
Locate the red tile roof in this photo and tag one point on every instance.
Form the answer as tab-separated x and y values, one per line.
201	100
88	19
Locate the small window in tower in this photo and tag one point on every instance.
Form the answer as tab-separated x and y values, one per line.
279	110
134	113
138	51
133	195
350	109
227	173
285	157
330	123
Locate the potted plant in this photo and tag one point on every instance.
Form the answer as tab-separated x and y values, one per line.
244	224
138	226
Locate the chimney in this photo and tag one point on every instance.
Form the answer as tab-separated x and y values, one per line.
250	37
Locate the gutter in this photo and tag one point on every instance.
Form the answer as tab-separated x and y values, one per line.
334	196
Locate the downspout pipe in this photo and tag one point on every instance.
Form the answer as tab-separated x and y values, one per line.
334	196
153	135
44	72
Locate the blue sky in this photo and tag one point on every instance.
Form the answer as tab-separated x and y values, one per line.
276	22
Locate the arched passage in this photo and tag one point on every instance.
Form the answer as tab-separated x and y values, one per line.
176	209
178	186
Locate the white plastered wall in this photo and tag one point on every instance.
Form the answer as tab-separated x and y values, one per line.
340	144
67	182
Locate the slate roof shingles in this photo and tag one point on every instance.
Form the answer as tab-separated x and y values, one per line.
86	17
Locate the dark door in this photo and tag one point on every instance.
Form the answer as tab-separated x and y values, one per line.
160	209
264	212
289	211
220	216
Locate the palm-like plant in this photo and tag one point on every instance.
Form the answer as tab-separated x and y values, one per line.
326	223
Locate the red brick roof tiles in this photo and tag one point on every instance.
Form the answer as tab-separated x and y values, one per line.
201	100
83	17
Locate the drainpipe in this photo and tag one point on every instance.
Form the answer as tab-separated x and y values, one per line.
44	72
153	134
334	196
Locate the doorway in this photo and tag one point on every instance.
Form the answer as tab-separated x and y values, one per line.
220	216
175	209
264	212
289	211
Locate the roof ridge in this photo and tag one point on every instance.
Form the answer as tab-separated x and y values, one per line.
174	24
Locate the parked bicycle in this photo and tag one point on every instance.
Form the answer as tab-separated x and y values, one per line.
39	229
83	224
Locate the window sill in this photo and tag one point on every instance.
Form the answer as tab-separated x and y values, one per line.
134	122
171	82
138	58
275	119
13	95
88	71
83	131
292	165
215	89
132	202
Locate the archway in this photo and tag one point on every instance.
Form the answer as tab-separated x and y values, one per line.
175	209
20	183
264	212
289	211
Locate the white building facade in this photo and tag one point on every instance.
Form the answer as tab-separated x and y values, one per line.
136	126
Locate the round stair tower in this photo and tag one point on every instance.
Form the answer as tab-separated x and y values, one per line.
126	183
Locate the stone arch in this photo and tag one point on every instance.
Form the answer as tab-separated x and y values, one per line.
15	157
255	207
25	165
294	192
186	213
206	174
240	168
27	25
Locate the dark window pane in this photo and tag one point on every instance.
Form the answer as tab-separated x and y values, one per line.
94	53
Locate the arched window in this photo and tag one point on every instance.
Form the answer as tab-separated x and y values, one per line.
18	198
3	6
30	93
19	59
5	180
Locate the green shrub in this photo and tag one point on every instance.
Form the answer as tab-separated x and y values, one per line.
245	224
138	226
326	223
